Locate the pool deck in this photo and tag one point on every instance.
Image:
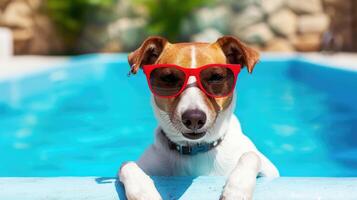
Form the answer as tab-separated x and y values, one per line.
23	65
184	188
346	61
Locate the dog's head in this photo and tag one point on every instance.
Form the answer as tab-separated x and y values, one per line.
193	116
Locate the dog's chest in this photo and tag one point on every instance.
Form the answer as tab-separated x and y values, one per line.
213	163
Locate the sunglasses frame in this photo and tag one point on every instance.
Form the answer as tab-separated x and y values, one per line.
236	68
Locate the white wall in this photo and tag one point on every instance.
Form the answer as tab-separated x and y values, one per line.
6	43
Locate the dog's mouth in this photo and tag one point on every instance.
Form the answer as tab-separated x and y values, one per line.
194	136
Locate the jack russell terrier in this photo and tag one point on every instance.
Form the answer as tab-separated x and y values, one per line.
198	134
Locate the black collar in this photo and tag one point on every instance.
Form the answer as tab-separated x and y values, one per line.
192	149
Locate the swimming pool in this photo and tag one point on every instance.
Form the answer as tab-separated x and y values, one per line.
86	117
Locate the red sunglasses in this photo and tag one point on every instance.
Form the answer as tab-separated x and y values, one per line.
169	80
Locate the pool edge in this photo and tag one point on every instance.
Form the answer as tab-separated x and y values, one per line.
204	187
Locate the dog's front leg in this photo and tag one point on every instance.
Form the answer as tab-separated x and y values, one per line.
241	182
138	185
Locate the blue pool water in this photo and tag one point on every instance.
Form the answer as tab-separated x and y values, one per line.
87	117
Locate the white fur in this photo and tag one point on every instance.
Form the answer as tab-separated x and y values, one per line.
158	160
138	185
241	181
193	57
191	80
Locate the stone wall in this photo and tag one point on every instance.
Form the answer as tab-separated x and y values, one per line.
268	25
271	25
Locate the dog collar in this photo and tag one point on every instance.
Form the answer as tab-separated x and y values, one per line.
192	149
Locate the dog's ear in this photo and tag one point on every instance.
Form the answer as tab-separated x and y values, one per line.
237	52
147	53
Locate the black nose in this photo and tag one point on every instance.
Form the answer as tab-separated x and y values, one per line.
194	119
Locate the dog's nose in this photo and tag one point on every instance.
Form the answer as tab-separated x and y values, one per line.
194	119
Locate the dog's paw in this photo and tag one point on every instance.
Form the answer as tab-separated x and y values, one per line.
144	190
138	185
235	195
143	195
232	192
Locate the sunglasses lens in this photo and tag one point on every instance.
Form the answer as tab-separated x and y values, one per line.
167	81
217	81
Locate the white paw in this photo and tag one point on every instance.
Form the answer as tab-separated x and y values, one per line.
143	189
142	193
236	195
237	191
138	186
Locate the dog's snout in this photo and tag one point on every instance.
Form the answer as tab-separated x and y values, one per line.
194	119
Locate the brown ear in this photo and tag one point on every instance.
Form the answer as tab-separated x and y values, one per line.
237	52
147	53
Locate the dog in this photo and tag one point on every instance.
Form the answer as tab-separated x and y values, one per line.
198	134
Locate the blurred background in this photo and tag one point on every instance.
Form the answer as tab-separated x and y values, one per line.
57	27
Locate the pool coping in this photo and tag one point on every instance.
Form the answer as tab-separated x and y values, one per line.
193	188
